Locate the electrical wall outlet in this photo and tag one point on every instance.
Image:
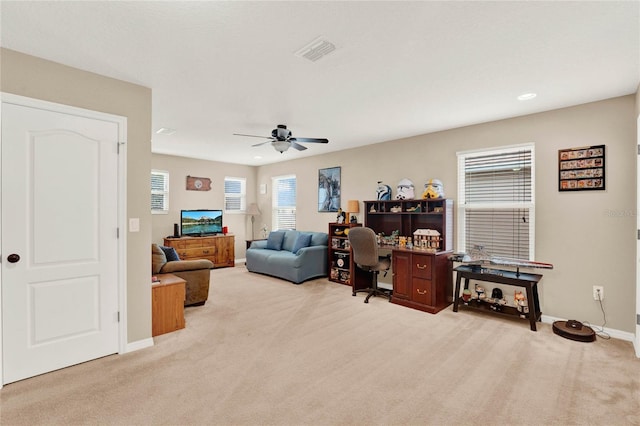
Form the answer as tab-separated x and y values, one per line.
598	292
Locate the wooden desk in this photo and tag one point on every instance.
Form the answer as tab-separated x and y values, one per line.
167	304
528	281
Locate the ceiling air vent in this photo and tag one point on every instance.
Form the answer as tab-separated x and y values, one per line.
316	49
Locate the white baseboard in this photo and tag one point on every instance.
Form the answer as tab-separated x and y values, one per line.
140	344
616	334
241	261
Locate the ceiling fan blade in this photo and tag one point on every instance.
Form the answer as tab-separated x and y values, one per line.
297	145
261	143
253	136
315	140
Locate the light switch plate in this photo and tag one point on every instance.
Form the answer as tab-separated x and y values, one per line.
134	224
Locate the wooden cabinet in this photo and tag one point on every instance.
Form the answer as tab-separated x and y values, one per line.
422	280
167	304
406	216
219	249
341	266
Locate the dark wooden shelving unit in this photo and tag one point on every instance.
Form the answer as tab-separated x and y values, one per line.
421	279
341	266
436	214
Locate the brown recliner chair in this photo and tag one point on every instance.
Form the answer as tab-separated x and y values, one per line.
195	272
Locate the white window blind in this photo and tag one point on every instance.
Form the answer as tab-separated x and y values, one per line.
159	192
235	194
284	202
496	201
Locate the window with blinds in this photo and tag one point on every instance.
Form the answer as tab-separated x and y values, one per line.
159	192
235	194
496	201
284	202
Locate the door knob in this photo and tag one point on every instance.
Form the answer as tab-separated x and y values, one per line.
13	258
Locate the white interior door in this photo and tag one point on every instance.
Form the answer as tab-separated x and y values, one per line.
59	240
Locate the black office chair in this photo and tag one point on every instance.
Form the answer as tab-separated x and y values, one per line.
364	248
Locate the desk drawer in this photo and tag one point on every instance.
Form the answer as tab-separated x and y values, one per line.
421	291
421	266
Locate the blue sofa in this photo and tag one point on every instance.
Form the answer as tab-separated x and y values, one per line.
291	255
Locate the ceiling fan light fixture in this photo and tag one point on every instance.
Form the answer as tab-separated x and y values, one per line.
281	146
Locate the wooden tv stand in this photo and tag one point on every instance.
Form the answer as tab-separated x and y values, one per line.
217	248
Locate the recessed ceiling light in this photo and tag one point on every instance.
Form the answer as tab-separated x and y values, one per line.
526	96
165	131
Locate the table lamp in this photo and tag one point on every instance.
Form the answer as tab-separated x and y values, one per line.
253	211
353	206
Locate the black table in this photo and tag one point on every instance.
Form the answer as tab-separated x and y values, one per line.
499	276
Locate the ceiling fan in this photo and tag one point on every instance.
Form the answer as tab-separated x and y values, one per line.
281	139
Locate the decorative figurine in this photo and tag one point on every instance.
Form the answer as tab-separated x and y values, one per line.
342	216
383	192
406	190
480	292
521	303
433	189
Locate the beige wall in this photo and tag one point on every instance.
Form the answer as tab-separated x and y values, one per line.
589	236
179	198
37	78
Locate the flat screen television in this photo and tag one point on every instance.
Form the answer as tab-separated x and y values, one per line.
197	223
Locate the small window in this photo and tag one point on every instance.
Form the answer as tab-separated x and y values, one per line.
159	192
284	202
235	194
496	202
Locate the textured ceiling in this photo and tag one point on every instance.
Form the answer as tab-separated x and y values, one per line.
400	68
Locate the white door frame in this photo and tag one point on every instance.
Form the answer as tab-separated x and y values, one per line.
122	202
636	341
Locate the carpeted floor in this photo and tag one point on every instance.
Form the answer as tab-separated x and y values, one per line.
266	352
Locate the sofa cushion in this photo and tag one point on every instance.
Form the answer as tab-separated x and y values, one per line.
170	253
302	240
319	239
158	259
289	240
274	242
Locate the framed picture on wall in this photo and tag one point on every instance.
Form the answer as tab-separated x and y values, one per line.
581	169
329	189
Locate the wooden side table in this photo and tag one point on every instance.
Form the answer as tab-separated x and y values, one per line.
167	304
499	276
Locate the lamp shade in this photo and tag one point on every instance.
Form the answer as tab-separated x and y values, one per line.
253	210
353	206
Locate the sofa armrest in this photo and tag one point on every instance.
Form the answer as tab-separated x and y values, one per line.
260	244
185	265
311	251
